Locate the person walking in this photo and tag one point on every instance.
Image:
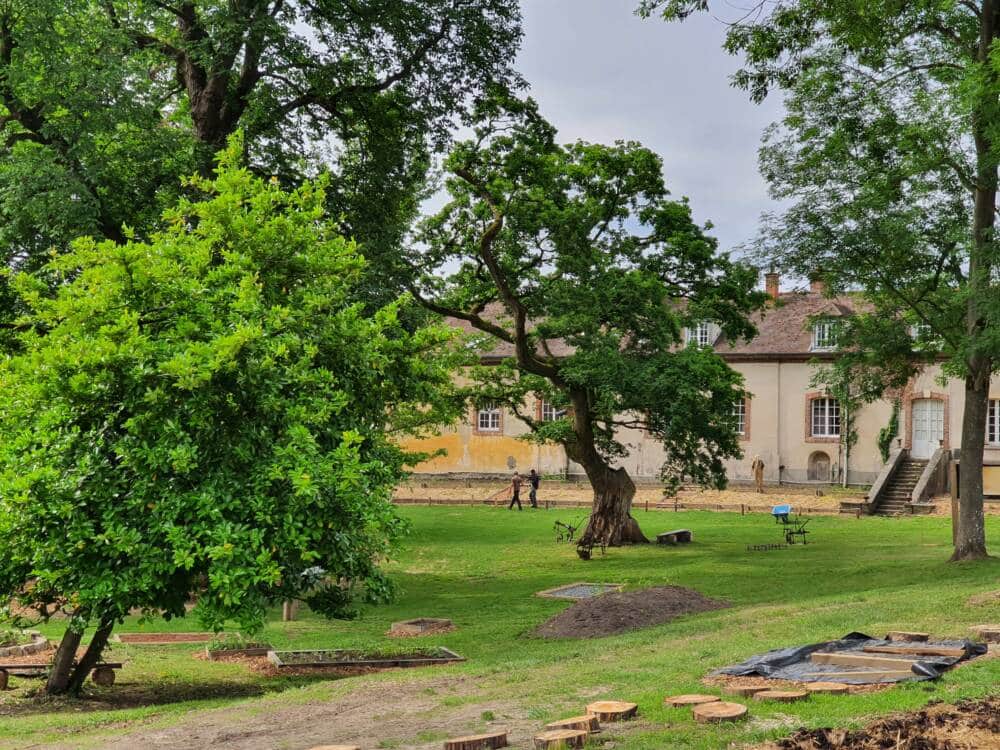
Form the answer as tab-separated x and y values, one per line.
515	486
533	480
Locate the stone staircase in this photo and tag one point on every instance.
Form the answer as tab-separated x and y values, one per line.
896	496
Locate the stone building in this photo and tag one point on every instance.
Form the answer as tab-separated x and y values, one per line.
792	425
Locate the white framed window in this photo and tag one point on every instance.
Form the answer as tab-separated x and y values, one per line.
825	417
700	333
550	413
488	417
993	422
740	417
824	335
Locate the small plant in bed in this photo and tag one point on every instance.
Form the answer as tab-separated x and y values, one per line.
14	637
236	644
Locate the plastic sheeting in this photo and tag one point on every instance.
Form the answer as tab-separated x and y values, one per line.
794	664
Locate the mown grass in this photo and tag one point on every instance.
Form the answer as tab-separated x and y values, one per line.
481	567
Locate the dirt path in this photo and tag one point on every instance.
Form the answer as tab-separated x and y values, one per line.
387	713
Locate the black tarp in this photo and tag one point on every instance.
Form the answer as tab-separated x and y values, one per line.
793	663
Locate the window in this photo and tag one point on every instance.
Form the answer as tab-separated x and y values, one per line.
993	422
700	333
740	417
920	331
488	418
825	417
550	413
824	335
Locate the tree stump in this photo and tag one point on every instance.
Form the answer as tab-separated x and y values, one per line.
556	739
987	633
103	676
718	711
744	691
477	742
782	696
907	637
690	699
836	688
588	722
612	710
4	678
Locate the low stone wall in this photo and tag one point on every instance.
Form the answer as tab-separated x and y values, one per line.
38	644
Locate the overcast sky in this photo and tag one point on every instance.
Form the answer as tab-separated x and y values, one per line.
602	74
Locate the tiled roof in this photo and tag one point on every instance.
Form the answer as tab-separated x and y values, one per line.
783	327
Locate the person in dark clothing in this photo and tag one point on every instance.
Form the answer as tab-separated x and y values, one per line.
515	485
534	480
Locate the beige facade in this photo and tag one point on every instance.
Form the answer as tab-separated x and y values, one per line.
786	421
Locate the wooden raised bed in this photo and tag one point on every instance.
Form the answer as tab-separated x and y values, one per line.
221	653
149	639
353	658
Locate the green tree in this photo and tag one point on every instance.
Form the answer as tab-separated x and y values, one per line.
575	259
888	159
105	104
207	414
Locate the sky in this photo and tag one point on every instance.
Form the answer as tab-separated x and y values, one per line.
601	74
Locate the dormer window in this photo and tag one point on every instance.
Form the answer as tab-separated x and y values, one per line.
824	335
700	333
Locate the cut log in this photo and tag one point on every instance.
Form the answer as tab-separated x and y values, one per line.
612	710
916	650
103	676
872	675
587	722
902	635
4	678
743	690
690	699
861	660
478	742
556	739
987	633
708	713
836	688
782	696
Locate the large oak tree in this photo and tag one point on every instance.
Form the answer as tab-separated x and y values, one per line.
576	258
888	161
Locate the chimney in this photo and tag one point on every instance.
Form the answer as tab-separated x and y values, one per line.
817	285
771	285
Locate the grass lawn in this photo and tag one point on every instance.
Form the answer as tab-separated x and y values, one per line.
480	567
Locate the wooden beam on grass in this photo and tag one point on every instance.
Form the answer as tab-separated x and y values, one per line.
860	660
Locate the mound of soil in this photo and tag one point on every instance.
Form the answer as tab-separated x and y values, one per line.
967	725
620	612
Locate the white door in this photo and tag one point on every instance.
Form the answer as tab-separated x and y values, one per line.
928	426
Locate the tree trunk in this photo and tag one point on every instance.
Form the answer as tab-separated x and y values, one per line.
611	522
62	664
91	657
970	534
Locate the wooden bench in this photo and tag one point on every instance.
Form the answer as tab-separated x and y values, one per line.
103	673
674	537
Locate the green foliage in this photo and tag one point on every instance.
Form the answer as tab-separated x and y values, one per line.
105	104
888	433
208	413
234	642
13	637
576	262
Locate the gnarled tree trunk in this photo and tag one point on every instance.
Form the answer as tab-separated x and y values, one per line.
611	521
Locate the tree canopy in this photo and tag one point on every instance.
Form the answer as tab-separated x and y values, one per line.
576	258
208	413
887	161
105	104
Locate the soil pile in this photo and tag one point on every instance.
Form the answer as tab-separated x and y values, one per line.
967	725
621	612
